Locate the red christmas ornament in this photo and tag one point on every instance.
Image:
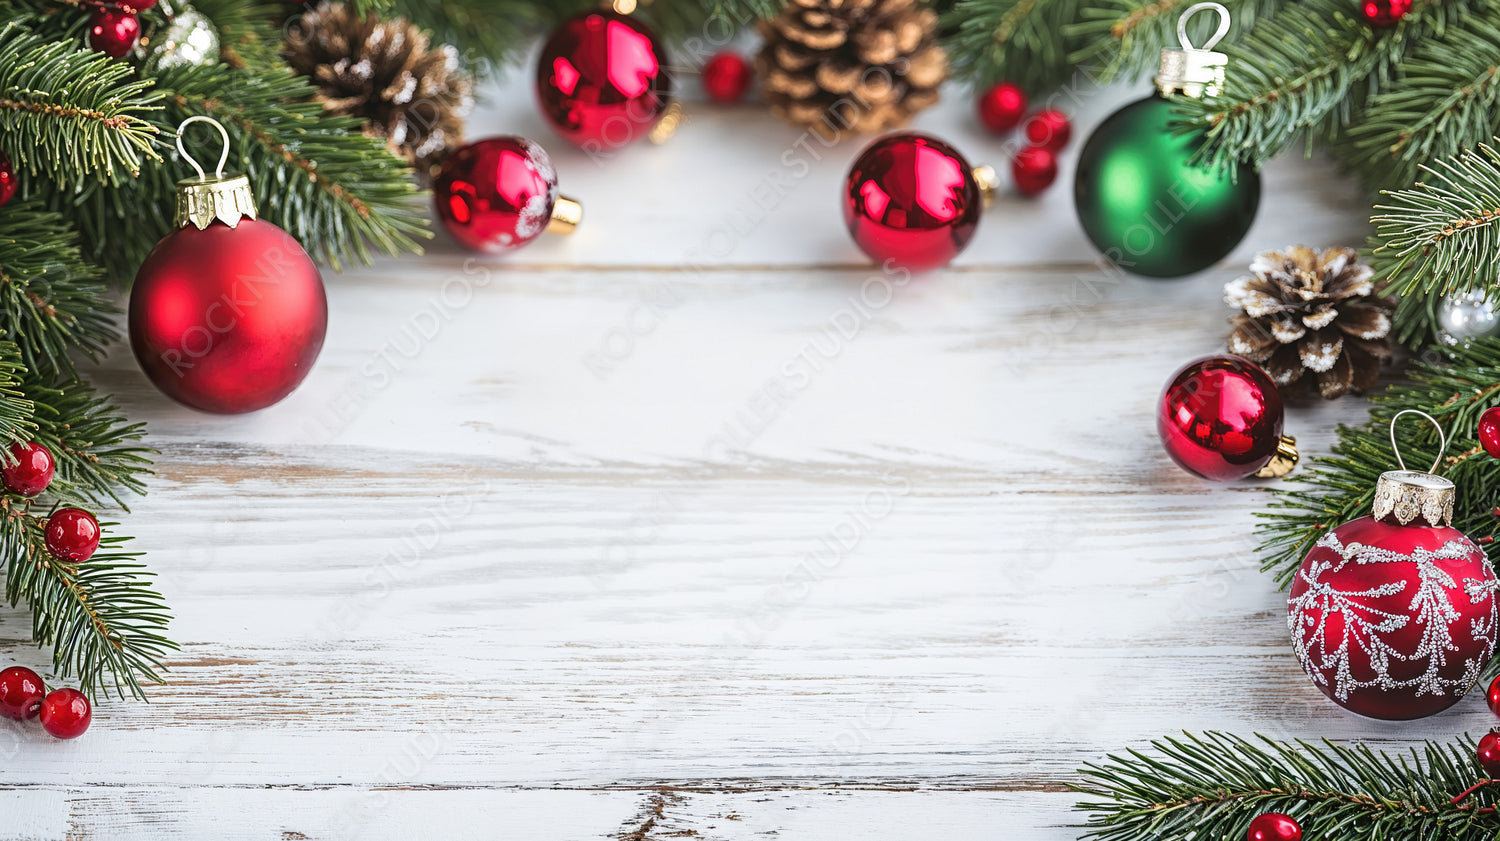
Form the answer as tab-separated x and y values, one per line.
1034	169
72	535
726	77
1049	129
1492	697
1220	418
32	472
1393	615
66	713
21	693
228	313
1383	13
1274	826
1488	754
1002	107
1489	431
8	182
601	80
113	31
499	194
913	200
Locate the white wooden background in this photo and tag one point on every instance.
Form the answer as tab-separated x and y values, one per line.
678	528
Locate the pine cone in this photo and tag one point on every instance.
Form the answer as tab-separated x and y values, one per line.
1312	311
851	65
387	73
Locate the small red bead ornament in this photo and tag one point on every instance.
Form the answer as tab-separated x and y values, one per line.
1001	107
726	77
114	31
1489	431
1034	169
66	713
1383	13
498	194
1393	615
1488	754
601	80
72	535
1220	418
8	181
32	472
228	313
1049	129
1274	826
1492	697
913	200
21	693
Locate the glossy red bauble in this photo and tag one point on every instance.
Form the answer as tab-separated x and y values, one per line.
21	693
726	77
1049	129
228	320
1033	169
72	535
8	182
1489	431
1488	754
1220	418
66	713
1001	107
1393	621
497	194
32	472
601	80
1492	697
114	31
1274	826
1383	13
912	200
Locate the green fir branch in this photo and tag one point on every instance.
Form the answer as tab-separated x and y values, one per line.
1212	786
1021	41
98	454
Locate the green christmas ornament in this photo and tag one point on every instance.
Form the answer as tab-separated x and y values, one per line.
1142	201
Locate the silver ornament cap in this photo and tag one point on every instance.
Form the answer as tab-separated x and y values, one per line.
1194	71
1403	495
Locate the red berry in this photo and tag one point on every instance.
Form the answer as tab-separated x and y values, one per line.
32	472
66	713
8	181
726	77
1002	107
72	534
1274	826
1492	697
1034	170
1489	431
1489	754
21	693
1383	13
114	32
1049	129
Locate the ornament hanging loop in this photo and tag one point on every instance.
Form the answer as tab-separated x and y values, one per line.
1182	22
223	155
1442	438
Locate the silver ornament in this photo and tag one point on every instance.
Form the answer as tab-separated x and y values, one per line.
189	39
1467	316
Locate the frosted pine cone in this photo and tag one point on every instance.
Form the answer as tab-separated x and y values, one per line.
1311	316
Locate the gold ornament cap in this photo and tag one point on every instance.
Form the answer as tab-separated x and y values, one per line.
1282	461
1405	495
206	198
1194	71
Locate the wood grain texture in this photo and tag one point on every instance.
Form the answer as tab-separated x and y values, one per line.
617	538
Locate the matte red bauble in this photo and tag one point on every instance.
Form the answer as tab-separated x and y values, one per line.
1049	129
601	80
228	313
114	32
1489	431
1383	13
1034	169
913	200
1274	826
726	77
1393	615
499	194
1002	107
8	182
1220	418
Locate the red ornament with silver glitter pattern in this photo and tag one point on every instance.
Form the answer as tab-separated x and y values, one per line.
601	80
1220	418
1393	615
913	200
